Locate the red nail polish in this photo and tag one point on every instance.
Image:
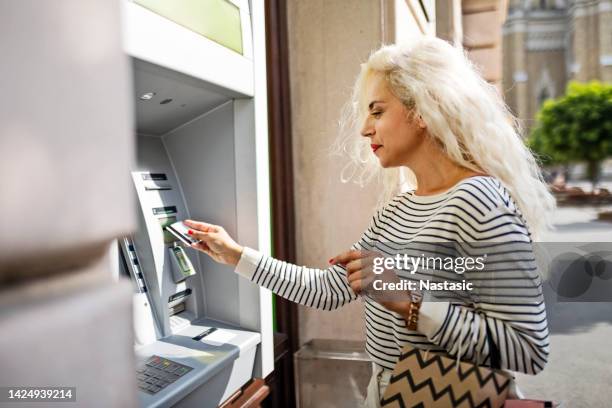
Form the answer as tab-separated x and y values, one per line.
190	232
331	261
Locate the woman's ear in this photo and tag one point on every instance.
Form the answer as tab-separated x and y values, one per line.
420	122
416	117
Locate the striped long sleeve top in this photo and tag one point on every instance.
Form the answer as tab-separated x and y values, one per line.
506	296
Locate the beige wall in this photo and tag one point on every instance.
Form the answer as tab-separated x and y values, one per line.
482	21
327	42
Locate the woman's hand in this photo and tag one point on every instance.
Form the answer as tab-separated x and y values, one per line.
215	242
359	268
360	275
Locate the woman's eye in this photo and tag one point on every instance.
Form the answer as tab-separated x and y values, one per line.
376	114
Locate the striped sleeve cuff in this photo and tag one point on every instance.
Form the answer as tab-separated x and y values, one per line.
431	317
247	265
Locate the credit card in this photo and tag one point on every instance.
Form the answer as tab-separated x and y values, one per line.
180	230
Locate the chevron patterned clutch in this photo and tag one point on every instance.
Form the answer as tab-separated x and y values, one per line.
423	379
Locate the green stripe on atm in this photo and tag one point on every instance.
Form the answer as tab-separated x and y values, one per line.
217	20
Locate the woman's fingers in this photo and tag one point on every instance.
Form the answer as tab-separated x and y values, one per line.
348	256
201	236
354	276
359	274
201	246
353	266
358	264
359	282
201	226
362	264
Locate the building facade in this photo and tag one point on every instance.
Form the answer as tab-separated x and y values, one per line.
547	43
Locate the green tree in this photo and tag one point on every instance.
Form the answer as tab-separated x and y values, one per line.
576	127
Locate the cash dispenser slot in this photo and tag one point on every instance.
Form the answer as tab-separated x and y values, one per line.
176	302
179	296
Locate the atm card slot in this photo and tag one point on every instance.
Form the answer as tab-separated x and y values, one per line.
180	231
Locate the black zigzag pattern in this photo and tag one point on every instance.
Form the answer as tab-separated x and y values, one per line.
439	360
435	358
454	400
448	390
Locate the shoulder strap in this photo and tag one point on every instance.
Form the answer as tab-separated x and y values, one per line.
493	350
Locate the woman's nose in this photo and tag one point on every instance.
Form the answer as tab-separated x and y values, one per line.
367	130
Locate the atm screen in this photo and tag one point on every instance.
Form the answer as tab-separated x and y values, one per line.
163	222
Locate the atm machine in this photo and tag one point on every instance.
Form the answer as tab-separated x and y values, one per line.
201	331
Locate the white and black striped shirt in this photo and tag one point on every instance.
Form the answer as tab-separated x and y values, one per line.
507	295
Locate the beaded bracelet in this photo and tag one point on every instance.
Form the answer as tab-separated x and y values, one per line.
416	298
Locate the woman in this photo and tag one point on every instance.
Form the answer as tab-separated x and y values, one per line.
425	111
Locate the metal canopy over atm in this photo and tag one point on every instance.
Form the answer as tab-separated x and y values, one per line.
201	331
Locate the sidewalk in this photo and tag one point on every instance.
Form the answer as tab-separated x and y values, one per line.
579	372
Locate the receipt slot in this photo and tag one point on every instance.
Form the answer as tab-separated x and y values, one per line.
200	119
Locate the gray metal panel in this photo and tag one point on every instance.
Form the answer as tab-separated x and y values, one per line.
66	144
203	155
246	205
189	98
218	369
72	331
246	174
152	157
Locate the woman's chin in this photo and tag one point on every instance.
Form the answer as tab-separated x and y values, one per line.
385	164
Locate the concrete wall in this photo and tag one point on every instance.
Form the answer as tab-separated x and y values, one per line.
327	42
481	21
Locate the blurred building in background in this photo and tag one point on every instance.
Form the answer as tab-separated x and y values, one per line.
550	42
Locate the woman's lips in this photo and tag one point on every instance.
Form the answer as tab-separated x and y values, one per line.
375	147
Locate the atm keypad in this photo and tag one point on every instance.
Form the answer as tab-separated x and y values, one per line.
158	372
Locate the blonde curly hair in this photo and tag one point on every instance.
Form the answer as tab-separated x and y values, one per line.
462	111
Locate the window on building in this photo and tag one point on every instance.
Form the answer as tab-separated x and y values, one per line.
543	96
